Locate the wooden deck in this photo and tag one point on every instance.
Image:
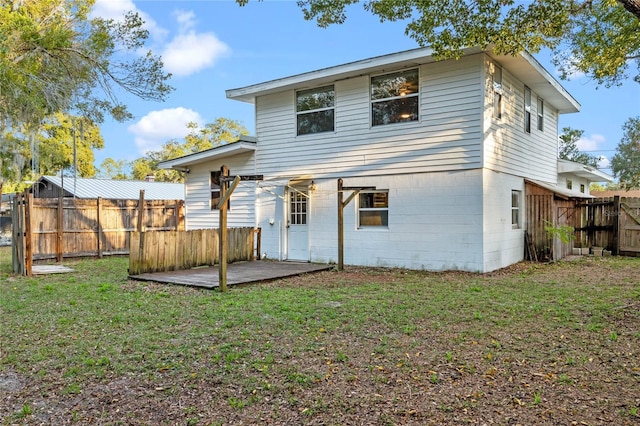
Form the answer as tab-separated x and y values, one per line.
237	273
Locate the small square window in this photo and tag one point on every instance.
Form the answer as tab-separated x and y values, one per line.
569	184
373	209
582	188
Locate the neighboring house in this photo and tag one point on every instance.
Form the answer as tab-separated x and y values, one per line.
442	151
52	186
635	193
574	179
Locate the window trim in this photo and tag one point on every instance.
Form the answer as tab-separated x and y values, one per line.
316	110
569	184
415	94
372	209
527	109
214	187
540	112
516	196
497	92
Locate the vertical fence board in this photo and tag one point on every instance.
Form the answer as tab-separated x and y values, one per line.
178	250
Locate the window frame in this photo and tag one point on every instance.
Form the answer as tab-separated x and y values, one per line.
497	92
384	217
309	112
569	184
527	109
540	112
582	188
516	209
412	96
214	187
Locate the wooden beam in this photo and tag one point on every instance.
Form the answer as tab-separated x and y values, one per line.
222	213
228	191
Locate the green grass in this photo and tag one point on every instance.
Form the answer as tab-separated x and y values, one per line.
275	342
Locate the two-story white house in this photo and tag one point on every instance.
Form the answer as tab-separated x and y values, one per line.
440	149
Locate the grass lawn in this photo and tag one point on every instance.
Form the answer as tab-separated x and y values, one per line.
532	344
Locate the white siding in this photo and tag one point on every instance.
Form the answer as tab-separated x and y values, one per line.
507	147
503	245
435	223
198	194
447	137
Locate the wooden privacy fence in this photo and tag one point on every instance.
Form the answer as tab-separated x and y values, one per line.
612	223
180	250
57	228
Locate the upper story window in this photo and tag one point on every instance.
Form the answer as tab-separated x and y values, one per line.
540	114
315	110
497	92
373	208
394	97
527	109
569	184
582	188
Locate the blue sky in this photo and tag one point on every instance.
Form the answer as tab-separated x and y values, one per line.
211	46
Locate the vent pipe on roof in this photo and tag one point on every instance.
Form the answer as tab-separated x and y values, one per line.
150	178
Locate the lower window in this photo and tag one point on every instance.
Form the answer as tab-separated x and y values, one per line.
373	208
515	209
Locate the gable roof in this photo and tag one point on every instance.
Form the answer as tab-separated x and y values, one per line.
523	66
242	145
117	189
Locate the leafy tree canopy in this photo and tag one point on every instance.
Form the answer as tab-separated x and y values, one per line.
626	161
214	134
568	148
55	58
598	37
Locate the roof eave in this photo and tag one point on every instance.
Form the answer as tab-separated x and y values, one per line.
242	146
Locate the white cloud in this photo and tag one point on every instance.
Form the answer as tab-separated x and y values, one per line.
591	143
603	162
115	9
189	51
158	127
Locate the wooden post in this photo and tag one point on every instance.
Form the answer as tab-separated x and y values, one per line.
99	233
140	227
60	230
222	213
616	225
340	227
28	246
17	236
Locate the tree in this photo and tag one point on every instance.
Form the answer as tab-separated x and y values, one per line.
568	148
55	58
61	135
221	131
626	161
113	169
598	37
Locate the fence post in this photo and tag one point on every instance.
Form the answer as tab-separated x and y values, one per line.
17	221
28	246
99	225
616	225
59	230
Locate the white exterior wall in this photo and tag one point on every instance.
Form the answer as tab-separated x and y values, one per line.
507	147
576	181
435	223
503	245
448	135
198	194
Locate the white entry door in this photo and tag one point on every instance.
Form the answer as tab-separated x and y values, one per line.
297	226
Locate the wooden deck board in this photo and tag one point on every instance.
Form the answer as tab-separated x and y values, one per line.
237	273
